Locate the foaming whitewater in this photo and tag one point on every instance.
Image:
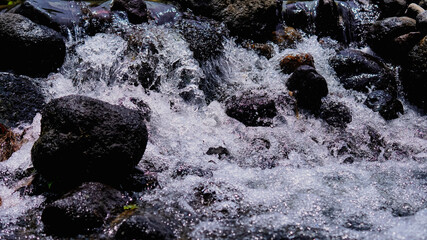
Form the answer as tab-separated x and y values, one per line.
285	179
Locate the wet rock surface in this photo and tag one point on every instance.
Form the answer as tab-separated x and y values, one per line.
308	86
254	19
20	99
82	210
361	71
136	10
335	114
383	33
28	48
251	109
384	103
86	139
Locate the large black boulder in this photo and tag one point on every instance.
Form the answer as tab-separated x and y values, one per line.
136	10
251	109
20	99
84	139
361	71
397	33
28	48
82	210
145	226
308	86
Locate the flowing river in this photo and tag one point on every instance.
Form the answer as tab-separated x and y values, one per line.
299	178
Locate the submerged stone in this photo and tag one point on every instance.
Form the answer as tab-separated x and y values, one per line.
336	114
384	103
84	139
28	48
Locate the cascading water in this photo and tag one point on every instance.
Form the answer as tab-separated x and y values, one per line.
287	181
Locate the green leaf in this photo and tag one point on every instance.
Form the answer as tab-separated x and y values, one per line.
130	207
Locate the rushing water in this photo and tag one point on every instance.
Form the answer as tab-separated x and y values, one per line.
288	178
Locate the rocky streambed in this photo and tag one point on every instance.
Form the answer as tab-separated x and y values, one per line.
213	119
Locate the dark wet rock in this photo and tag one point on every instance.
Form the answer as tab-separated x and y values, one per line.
361	71
423	4
251	109
291	62
136	10
422	22
413	10
28	48
392	8
220	151
309	87
162	13
262	49
382	35
403	210
414	75
58	15
20	99
183	170
204	36
83	210
336	114
384	103
253	19
325	18
286	37
145	226
84	139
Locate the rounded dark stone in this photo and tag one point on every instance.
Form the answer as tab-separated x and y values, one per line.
86	139
28	48
422	22
20	99
308	86
382	35
336	114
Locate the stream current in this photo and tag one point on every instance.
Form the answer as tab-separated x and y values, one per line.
290	179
